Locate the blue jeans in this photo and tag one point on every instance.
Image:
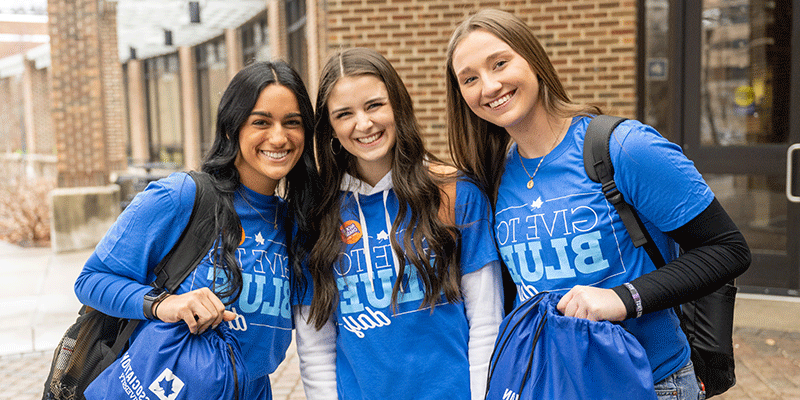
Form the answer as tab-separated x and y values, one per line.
681	385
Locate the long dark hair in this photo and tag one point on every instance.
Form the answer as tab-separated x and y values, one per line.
479	147
416	187
298	187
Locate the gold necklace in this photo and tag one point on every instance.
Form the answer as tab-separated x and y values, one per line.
274	223
530	177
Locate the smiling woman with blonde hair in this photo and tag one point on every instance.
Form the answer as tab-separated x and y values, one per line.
514	130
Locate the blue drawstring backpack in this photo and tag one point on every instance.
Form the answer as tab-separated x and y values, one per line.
167	362
542	354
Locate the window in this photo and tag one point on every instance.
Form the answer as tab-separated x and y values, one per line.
255	40
212	78
162	83
656	87
296	36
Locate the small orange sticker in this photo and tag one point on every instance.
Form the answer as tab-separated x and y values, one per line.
351	232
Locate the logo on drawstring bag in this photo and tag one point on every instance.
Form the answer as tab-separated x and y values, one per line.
167	386
351	232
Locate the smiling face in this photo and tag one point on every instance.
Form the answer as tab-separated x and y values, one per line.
497	83
270	140
363	120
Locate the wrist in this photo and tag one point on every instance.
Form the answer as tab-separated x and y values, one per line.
158	303
627	300
637	300
151	299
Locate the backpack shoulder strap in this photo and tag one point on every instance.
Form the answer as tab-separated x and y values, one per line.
195	240
192	246
597	163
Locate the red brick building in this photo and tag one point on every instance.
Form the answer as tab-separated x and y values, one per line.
718	77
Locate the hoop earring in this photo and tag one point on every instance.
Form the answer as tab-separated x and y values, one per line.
333	149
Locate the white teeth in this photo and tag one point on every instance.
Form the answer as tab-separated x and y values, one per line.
369	139
276	155
500	101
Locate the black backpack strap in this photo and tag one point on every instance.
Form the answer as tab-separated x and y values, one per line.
597	163
192	246
195	240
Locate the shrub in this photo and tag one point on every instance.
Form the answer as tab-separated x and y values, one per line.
25	211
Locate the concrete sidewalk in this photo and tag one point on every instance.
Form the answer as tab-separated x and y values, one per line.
38	304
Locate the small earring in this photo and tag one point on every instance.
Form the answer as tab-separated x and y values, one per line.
333	149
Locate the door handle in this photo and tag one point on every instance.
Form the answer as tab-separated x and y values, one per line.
789	172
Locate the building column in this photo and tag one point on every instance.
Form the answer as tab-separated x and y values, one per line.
27	107
312	40
87	107
31	146
191	109
233	49
277	29
137	110
89	121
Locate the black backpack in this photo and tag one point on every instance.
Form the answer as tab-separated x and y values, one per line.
707	321
95	340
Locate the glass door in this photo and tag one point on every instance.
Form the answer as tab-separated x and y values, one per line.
739	75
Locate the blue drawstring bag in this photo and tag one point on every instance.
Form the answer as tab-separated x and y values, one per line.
167	362
542	354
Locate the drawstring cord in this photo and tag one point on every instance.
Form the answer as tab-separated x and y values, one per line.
365	236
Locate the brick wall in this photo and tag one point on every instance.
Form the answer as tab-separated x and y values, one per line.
591	42
11	130
115	117
45	142
86	106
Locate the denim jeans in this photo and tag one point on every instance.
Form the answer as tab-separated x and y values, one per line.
682	385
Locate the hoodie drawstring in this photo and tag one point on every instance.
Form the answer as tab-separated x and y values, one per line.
365	236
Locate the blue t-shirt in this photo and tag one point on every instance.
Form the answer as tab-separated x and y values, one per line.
150	226
564	232
419	353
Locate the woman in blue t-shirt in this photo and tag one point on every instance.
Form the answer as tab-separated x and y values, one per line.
263	138
514	130
406	299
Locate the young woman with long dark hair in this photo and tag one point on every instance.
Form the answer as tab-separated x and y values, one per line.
262	146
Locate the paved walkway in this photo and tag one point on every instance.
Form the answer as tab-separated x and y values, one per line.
37	304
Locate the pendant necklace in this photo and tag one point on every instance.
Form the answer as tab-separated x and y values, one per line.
530	177
274	223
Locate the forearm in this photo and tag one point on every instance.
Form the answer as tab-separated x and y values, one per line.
483	302
109	292
316	350
715	252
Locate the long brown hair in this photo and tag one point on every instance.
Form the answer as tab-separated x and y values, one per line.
416	187
479	147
